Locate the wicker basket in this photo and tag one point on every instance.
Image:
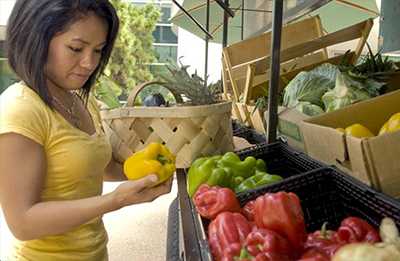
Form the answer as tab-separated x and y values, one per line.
188	131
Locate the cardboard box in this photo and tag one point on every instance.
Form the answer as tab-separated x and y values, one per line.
289	127
374	161
289	120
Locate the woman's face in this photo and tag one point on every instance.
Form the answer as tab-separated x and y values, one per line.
75	53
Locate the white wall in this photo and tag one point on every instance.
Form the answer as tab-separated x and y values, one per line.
5	10
192	50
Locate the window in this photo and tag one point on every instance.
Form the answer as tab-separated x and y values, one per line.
166	52
165	40
164	34
166	14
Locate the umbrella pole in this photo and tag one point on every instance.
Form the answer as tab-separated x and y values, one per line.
206	43
225	6
225	28
275	69
242	22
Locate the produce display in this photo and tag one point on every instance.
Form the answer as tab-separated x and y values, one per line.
357	130
153	159
387	250
330	87
360	131
210	201
272	227
229	171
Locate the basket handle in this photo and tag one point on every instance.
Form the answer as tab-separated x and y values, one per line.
136	90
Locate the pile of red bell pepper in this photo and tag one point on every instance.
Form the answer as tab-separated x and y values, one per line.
271	228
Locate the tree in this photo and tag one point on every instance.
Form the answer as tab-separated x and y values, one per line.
132	54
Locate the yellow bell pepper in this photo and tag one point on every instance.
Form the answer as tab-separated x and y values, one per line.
359	131
393	124
384	128
340	130
154	159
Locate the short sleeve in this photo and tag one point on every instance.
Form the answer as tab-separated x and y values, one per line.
23	113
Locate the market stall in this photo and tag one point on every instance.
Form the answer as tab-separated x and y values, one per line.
327	194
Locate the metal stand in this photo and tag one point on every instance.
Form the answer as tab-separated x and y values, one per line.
206	43
275	70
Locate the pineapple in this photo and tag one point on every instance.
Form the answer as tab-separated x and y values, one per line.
191	87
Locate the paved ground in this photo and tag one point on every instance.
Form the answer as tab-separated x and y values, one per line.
135	233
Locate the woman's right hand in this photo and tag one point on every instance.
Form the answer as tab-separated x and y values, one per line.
140	191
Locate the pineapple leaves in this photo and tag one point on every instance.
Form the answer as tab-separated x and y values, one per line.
191	87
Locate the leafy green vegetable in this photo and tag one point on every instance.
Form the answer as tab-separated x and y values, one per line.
347	91
372	66
310	86
309	109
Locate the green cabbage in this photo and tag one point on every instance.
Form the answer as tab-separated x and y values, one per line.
310	86
309	109
347	91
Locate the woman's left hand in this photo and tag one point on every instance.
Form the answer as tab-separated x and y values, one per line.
139	191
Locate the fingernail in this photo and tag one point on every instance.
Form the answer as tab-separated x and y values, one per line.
153	178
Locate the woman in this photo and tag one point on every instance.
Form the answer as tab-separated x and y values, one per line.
54	155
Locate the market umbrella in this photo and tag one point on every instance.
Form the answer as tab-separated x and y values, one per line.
197	9
339	14
334	14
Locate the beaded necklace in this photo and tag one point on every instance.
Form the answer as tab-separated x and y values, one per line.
70	111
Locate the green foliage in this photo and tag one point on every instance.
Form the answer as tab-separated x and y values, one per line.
191	86
372	66
132	53
108	93
7	76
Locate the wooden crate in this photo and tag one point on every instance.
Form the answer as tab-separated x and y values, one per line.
246	64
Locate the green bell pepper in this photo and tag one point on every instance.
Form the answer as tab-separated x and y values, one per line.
205	170
223	170
245	168
259	179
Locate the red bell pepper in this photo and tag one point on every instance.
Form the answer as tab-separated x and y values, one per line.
354	229
248	210
268	256
210	201
266	244
314	255
323	241
282	213
226	235
262	256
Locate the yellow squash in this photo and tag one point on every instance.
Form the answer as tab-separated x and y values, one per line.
154	159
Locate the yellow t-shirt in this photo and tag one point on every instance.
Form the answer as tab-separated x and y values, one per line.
75	168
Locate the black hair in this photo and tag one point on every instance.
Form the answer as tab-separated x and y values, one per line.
32	25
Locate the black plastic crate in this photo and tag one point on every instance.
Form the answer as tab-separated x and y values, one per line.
326	195
238	127
251	135
281	159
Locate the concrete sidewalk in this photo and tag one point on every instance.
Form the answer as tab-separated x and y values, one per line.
139	232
